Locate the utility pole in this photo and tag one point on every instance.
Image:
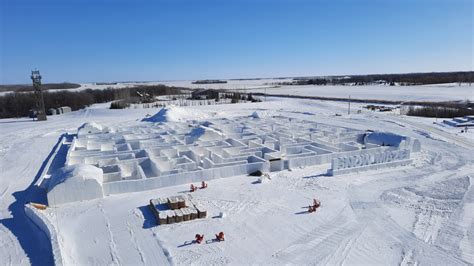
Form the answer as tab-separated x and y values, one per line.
39	100
349	106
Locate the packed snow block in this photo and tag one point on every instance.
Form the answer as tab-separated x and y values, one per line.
75	183
412	144
346	147
276	164
253	167
416	145
40	219
324	146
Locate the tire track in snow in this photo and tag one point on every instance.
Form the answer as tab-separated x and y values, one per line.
320	242
453	138
455	236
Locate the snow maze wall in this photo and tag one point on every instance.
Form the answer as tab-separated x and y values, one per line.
154	155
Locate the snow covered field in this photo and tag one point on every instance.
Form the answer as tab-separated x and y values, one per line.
420	213
435	92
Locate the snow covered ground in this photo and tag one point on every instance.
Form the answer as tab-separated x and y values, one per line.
378	92
421	213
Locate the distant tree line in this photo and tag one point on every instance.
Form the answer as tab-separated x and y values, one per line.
442	112
18	104
411	78
209	81
311	82
45	87
391	79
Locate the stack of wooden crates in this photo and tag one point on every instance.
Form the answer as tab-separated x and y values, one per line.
175	209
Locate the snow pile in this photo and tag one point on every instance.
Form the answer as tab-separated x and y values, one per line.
90	128
205	134
170	114
255	115
158	117
75	183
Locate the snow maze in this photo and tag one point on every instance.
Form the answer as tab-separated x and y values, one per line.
103	161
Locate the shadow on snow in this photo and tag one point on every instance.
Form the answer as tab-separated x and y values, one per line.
33	241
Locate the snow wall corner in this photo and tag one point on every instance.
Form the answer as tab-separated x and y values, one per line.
43	223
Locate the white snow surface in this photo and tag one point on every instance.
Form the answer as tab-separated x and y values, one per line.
173	114
81	172
417	214
434	93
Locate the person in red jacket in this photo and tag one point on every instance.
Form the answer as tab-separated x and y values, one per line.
220	236
316	203
193	188
199	238
203	184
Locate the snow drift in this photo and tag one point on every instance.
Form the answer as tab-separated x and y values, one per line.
90	128
170	114
205	134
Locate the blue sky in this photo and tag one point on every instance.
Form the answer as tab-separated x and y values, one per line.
105	40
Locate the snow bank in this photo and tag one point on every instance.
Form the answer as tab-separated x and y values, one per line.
75	183
40	219
158	117
170	114
205	134
255	115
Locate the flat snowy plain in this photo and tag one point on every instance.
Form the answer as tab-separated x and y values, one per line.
435	92
417	214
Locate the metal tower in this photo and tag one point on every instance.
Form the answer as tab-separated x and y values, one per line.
40	112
